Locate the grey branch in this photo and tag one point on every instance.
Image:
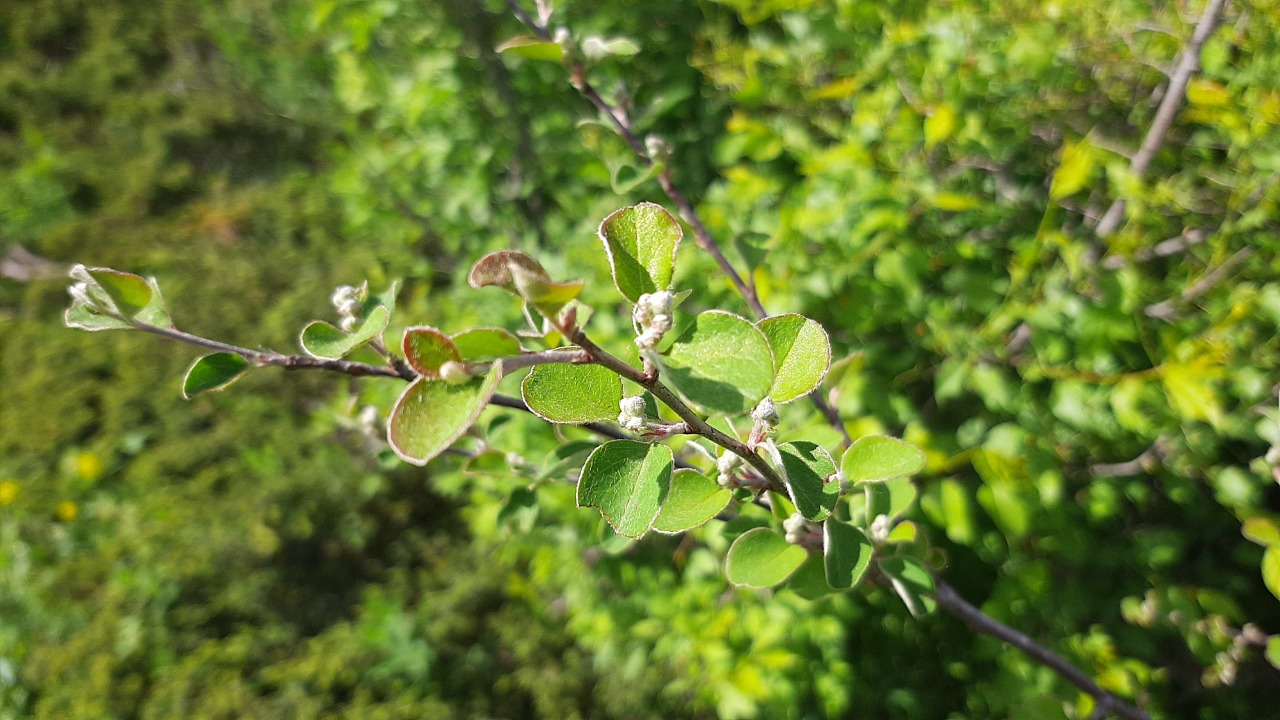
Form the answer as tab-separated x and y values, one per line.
1107	704
1187	66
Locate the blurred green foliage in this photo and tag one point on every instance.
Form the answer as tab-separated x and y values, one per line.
920	175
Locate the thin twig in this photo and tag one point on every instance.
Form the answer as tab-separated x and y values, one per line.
1166	310
1144	462
1188	64
701	236
1107	704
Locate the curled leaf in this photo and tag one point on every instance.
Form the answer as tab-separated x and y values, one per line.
641	242
426	349
525	277
431	414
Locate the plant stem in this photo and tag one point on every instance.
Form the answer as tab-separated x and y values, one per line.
1108	704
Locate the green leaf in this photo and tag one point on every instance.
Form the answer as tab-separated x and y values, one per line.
431	414
693	499
520	510
879	457
1190	390
626	481
1273	651
84	317
802	352
564	393
1074	171
912	582
846	553
426	349
520	274
213	372
891	497
1271	569
322	340
532	47
939	125
752	247
720	363
480	344
641	243
810	581
1262	531
811	478
130	293
762	558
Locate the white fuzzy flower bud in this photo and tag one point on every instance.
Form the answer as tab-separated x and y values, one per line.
766	413
632	415
880	528
653	316
794	527
454	373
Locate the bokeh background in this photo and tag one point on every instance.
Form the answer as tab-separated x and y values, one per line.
1097	413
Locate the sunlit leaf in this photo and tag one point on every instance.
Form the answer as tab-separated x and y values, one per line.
641	243
846	553
480	344
520	274
213	372
720	363
801	351
939	125
129	292
534	48
891	497
1271	570
320	339
627	482
571	393
431	414
879	457
762	558
811	478
1074	171
84	317
1261	530
693	499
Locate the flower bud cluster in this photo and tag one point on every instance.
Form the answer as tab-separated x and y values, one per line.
795	528
726	464
632	416
349	302
764	419
653	316
880	529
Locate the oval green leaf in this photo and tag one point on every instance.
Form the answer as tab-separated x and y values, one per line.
762	558
846	553
720	363
891	497
802	352
426	349
130	293
626	481
1271	569
213	372
532	47
641	243
480	344
564	393
879	457
431	414
810	581
810	478
913	583
694	498
322	340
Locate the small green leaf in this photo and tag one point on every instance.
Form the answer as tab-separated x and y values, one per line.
534	48
802	352
426	349
322	340
520	274
762	558
1074	171
480	344
846	553
1273	651
810	478
1261	530
878	457
720	363
912	582
890	498
84	317
626	481
693	499
641	243
1271	569
752	247
129	292
520	510
213	372
431	414
564	393
810	581
939	125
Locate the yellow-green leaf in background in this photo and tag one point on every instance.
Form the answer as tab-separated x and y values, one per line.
1074	170
939	125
